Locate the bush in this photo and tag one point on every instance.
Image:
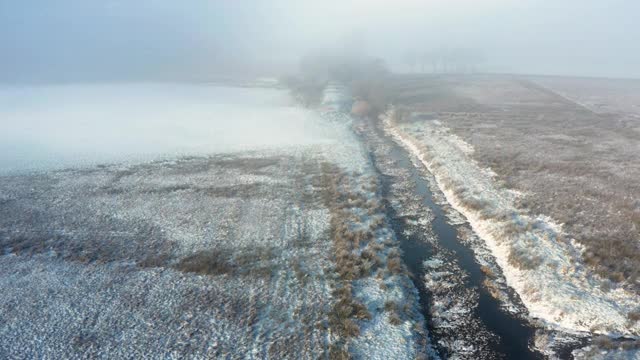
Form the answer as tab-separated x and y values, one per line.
361	312
338	352
487	271
211	262
394	319
390	306
634	316
345	327
522	260
394	265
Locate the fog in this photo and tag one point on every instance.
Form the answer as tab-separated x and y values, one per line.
91	40
58	126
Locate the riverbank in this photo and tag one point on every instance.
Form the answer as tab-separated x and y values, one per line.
465	321
526	248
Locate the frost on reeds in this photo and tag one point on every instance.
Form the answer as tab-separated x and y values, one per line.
356	221
543	265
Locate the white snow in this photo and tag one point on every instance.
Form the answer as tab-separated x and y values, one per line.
560	291
55	126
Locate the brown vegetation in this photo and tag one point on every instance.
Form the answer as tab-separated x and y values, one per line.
578	166
395	313
255	261
356	251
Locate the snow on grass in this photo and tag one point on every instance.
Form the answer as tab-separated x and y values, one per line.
77	278
457	334
593	352
373	290
546	272
371	273
221	254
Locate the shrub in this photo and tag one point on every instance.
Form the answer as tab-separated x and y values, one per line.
343	291
345	327
394	265
520	259
634	316
338	352
604	342
211	262
366	266
390	306
394	319
368	254
487	271
361	312
475	203
376	246
376	222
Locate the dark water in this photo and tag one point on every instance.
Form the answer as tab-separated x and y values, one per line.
515	335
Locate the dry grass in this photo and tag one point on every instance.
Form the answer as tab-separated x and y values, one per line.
213	262
394	312
606	343
357	253
634	316
186	215
255	261
348	264
578	166
338	352
395	265
522	259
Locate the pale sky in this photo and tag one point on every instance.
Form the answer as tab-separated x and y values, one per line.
75	40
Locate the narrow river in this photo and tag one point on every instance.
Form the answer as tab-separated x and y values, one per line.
514	335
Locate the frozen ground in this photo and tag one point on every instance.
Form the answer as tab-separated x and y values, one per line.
507	152
230	254
531	136
575	301
179	258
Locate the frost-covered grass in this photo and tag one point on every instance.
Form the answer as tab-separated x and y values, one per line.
192	257
455	328
375	314
370	272
568	146
232	254
603	349
544	270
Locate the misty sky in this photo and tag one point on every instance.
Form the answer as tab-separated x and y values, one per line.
74	40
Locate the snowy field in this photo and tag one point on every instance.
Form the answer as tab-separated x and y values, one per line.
235	241
546	181
66	125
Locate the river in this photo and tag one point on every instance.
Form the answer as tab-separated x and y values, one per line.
509	336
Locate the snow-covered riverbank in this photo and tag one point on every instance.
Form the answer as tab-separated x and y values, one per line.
544	270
